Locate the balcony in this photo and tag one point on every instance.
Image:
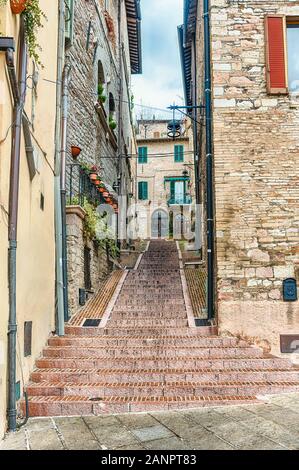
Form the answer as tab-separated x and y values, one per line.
180	200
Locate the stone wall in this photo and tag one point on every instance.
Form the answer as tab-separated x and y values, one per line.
256	154
99	266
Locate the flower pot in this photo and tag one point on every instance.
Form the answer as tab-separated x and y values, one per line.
108	200
102	190
93	176
105	194
75	151
115	206
18	6
97	182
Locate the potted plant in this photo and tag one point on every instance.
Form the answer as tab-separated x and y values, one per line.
17	6
33	18
101	97
112	123
75	151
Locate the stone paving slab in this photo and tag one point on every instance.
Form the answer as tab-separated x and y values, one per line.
270	426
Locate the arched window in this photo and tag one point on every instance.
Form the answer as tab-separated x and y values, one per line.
101	83
111	106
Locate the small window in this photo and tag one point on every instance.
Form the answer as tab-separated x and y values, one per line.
178	153
293	56
142	155
142	190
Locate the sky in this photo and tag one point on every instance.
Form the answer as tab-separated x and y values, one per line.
161	81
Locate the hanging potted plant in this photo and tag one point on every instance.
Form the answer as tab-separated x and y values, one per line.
17	6
112	123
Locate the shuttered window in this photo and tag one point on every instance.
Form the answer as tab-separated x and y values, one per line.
69	21
276	57
178	153
142	190
142	155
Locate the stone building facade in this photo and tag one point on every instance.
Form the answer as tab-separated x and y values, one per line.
103	49
165	180
256	156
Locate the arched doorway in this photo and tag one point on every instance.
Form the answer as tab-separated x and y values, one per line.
160	224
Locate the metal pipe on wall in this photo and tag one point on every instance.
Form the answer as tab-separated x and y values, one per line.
209	163
60	309
64	115
19	96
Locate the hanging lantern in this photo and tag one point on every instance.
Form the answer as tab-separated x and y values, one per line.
174	129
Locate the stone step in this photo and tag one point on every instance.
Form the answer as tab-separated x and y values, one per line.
121	313
144	331
165	375
141	341
158	389
173	362
149	351
81	406
147	322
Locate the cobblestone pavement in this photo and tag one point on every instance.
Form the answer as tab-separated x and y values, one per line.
268	426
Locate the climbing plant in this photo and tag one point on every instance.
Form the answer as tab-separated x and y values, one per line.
33	20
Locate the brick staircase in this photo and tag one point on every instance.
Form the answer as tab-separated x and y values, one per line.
148	358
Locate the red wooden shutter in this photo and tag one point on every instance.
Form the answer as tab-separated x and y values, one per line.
276	54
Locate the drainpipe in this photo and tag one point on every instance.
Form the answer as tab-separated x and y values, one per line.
120	159
57	195
209	163
64	115
19	93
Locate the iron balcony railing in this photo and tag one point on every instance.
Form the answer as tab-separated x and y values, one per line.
180	201
79	187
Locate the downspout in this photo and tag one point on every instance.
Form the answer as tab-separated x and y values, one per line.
64	115
19	93
209	163
57	194
120	159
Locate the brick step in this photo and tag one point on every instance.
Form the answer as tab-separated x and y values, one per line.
144	331
149	351
78	375
169	362
141	341
148	305
158	389
157	297
147	322
80	406
120	313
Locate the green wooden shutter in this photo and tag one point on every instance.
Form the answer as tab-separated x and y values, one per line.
172	190
142	155
142	190
178	153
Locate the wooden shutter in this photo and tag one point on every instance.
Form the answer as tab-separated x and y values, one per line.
178	153
142	155
276	55
142	191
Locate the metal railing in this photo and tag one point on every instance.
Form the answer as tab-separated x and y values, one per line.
80	188
180	200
